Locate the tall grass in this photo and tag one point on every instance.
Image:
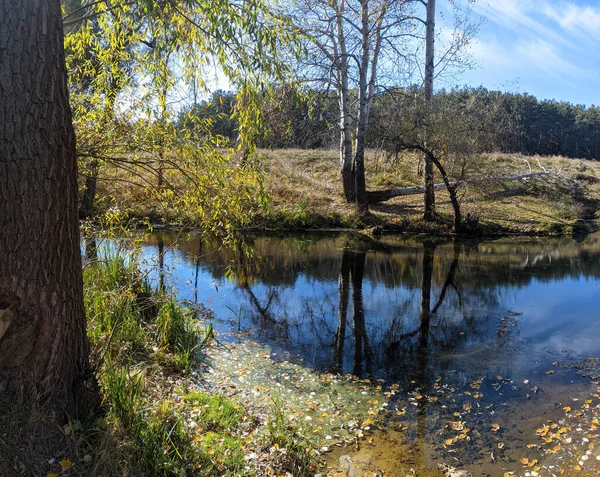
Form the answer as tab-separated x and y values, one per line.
137	335
154	422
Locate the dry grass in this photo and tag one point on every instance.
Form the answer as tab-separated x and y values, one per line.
306	191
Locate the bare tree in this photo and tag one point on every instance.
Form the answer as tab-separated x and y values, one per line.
362	47
458	131
429	198
352	45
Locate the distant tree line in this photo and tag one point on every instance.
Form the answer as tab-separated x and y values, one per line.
308	120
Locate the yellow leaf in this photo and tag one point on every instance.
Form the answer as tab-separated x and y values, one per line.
66	463
524	460
567	408
51	475
495	427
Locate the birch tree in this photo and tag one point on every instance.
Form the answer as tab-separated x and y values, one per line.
429	198
352	45
361	48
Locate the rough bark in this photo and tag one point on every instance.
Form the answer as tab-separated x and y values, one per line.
429	196
42	323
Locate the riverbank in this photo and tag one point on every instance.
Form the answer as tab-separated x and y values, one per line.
303	192
157	416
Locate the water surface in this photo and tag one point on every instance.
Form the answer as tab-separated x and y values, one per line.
494	317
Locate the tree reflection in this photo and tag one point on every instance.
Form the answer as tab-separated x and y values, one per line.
352	270
362	349
342	314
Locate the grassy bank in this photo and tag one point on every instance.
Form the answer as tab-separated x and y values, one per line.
304	192
156	419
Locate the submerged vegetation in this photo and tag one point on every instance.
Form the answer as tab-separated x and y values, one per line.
153	419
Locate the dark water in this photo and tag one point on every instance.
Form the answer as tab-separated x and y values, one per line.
397	308
416	312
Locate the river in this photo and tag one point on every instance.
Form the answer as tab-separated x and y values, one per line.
471	334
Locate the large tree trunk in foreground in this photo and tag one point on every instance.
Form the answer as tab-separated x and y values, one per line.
42	323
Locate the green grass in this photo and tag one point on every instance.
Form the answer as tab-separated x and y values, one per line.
143	344
154	421
217	413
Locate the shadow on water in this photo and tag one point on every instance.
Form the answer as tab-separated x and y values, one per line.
463	324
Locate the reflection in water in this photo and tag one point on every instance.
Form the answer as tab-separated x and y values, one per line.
415	313
402	310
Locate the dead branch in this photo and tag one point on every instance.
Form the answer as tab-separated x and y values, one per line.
383	195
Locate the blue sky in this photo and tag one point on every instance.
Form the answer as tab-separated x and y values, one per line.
549	48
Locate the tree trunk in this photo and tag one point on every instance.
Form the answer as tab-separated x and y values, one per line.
42	323
86	209
429	197
343	92
361	123
451	191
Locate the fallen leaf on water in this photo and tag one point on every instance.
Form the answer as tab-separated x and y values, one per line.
66	463
524	460
495	427
550	372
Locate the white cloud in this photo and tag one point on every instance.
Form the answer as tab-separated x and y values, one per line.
522	16
578	21
491	53
545	56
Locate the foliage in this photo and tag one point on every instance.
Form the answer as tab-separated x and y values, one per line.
127	62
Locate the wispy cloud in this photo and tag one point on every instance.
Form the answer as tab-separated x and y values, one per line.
544	56
523	17
577	20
